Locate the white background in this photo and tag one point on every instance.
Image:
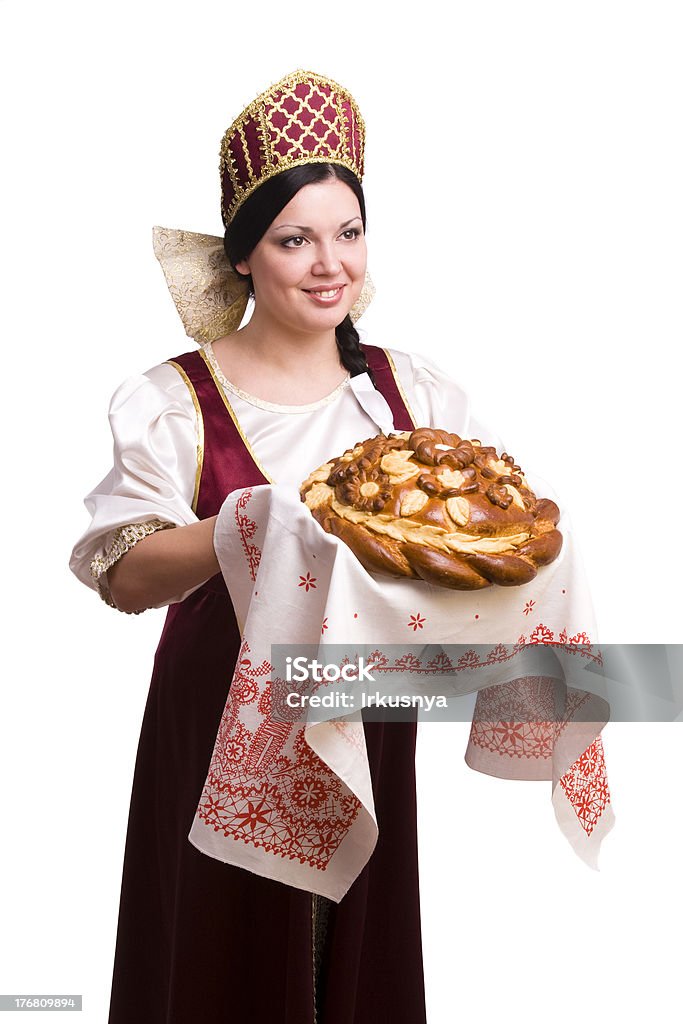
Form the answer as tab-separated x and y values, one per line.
524	168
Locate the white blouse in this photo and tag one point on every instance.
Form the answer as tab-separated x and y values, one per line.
156	433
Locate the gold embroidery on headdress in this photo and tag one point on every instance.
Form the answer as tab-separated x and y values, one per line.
290	125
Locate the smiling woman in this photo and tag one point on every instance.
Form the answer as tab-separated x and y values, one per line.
299	242
200	939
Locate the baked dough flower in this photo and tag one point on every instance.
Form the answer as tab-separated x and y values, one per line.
368	490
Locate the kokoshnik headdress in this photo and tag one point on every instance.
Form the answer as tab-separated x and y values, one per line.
304	118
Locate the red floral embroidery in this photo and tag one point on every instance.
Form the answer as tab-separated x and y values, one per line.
585	785
244	686
288	803
541	635
441	663
308	792
234	750
408	663
378	658
516	719
417	621
255	814
496	728
308	581
267	788
470	659
247	528
528	607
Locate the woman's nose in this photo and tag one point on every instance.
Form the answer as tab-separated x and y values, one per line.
326	260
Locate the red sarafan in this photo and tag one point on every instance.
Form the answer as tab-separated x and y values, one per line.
431	505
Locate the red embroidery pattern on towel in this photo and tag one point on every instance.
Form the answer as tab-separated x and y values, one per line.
247	529
502	723
585	785
495	728
265	786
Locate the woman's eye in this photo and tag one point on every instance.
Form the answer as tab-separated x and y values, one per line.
297	241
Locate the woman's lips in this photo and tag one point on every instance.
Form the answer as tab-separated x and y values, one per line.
326	296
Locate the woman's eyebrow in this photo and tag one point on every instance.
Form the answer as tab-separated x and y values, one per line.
303	227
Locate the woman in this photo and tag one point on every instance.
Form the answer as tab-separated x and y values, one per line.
200	940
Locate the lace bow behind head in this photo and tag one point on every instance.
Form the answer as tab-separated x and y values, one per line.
210	297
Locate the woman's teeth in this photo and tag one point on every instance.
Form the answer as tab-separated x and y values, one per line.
325	295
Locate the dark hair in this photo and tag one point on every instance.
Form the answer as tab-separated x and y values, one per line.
259	211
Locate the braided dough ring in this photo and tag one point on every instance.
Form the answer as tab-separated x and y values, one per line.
429	505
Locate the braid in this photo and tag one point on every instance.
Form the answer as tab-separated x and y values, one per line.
350	352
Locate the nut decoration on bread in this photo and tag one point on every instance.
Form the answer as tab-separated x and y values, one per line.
430	505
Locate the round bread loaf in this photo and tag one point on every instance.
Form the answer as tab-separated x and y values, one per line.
429	505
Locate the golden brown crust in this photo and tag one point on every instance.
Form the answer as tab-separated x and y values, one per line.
444	570
431	505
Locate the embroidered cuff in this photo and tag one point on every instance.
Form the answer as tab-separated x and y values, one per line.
124	538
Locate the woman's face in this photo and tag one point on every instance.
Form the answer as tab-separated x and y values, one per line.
309	267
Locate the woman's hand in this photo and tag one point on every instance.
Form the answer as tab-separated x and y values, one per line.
163	565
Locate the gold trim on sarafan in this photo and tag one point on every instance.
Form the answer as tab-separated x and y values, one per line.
200	430
392	367
230	409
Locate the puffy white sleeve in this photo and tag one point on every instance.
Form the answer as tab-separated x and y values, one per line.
437	400
152	481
